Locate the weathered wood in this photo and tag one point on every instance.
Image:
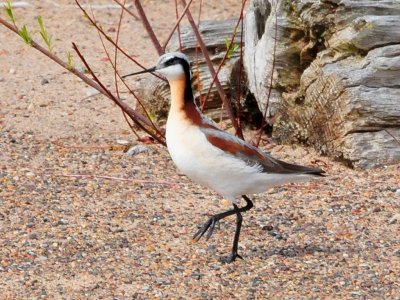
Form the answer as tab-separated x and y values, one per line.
259	52
214	34
343	94
357	104
366	33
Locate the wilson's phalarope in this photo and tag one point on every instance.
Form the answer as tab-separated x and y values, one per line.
214	158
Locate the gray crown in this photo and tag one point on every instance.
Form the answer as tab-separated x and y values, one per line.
167	56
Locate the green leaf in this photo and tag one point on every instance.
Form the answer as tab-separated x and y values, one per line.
227	43
9	11
45	36
70	61
152	116
231	49
235	48
23	32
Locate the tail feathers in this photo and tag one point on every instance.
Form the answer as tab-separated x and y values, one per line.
292	168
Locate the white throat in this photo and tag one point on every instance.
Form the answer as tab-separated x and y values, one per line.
172	72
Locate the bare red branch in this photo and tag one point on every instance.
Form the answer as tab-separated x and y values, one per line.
179	27
126	9
120	77
116	62
108	37
148	28
178	21
134	115
239	21
210	65
107	177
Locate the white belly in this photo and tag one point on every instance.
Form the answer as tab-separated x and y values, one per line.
213	168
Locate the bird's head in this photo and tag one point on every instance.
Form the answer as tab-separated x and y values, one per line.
173	65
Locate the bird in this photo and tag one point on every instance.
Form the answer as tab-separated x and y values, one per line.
215	158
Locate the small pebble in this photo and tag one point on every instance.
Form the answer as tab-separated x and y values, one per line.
91	92
44	81
33	236
395	218
145	287
80	69
137	149
41	258
62	222
276	234
123	142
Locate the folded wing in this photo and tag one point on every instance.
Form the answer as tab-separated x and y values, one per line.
253	156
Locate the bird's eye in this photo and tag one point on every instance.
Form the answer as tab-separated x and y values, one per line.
170	62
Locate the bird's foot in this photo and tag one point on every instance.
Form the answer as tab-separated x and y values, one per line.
208	226
231	258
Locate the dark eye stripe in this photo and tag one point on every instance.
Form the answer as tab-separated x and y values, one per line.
171	61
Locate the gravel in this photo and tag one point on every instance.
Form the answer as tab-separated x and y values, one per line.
80	219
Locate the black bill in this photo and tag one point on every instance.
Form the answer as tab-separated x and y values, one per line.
140	72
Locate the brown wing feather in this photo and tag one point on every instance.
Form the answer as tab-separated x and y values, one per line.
252	155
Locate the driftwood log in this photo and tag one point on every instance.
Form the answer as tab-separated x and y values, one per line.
214	34
337	75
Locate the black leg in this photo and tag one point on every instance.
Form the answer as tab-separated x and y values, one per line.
210	225
234	254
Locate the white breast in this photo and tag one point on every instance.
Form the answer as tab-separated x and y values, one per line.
212	167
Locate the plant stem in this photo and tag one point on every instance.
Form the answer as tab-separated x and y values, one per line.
178	21
135	116
132	113
148	27
126	9
210	65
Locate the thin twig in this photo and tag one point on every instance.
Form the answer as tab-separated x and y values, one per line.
179	27
108	37
116	73
148	27
127	9
131	125
138	181
152	125
117	101
202	99
178	21
146	120
135	116
392	136
210	65
239	21
200	11
55	58
239	88
115	48
116	64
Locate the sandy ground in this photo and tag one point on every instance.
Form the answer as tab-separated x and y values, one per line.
65	237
